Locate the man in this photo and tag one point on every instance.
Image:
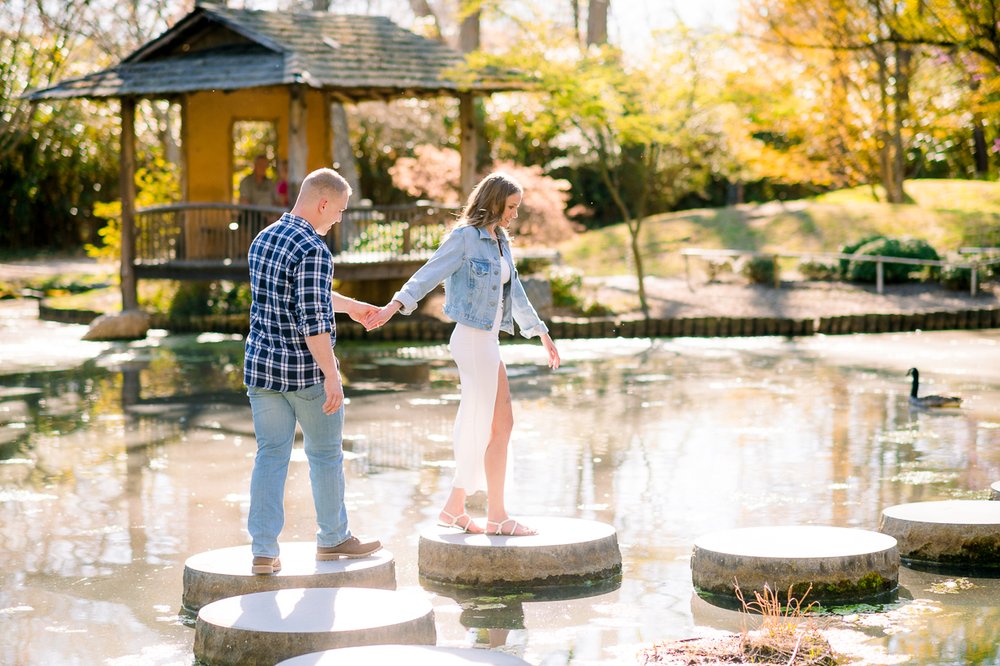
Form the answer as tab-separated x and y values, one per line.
256	189
292	374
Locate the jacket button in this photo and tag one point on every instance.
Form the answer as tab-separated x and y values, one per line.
496	272
494	288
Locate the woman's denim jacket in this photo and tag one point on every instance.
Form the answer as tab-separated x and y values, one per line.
468	262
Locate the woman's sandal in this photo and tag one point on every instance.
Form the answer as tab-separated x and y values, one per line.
500	531
453	522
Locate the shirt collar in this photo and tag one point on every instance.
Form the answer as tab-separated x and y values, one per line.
301	221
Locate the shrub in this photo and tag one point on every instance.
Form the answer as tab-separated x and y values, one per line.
760	270
819	270
851	248
566	284
956	277
911	248
433	173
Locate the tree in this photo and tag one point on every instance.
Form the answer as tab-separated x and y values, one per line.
641	126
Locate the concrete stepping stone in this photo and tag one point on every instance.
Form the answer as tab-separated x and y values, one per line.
267	627
962	533
566	551
842	565
995	491
410	655
217	574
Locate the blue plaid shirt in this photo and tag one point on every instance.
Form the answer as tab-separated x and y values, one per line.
291	284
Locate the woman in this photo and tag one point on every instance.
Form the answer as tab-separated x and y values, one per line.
482	295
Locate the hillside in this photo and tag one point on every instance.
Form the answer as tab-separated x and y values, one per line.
946	213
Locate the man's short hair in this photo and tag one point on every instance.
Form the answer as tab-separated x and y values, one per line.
325	181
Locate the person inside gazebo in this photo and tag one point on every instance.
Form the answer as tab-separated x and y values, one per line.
256	189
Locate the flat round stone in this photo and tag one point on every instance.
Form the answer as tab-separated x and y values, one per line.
410	655
217	574
995	491
565	551
963	533
267	627
841	565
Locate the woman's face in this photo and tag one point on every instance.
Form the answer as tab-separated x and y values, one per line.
509	213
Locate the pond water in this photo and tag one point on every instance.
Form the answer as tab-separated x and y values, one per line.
123	460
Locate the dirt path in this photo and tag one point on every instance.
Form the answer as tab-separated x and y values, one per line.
670	297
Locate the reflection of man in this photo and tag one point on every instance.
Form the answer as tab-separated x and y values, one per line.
256	189
292	374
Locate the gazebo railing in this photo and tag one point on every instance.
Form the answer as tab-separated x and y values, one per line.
222	233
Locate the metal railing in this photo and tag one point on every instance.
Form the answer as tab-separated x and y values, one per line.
974	266
216	232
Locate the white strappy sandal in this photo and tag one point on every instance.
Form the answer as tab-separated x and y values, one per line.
500	531
453	521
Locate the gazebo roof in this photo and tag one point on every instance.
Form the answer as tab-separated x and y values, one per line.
221	48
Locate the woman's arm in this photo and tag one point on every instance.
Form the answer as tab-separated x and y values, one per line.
446	260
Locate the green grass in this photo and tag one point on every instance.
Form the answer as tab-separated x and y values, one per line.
946	213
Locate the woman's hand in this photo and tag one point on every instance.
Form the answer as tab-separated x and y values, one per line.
550	347
380	316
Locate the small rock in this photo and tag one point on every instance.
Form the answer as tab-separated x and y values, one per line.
126	325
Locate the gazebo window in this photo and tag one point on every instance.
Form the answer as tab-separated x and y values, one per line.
251	138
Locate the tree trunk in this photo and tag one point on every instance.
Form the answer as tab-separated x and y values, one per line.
979	150
901	102
469	41
422	9
343	151
575	5
597	22
640	273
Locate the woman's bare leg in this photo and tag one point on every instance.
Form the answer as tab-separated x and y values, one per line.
496	457
453	510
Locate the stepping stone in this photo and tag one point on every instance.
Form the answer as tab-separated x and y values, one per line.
267	627
218	574
962	533
842	565
566	551
995	491
410	655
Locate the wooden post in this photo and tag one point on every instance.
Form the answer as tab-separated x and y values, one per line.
130	297
468	147
879	276
298	147
973	279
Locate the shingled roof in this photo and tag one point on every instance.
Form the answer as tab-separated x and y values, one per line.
221	48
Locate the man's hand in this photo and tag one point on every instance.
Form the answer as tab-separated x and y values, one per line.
360	312
334	393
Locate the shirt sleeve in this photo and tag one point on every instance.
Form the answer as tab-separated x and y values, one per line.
446	260
313	280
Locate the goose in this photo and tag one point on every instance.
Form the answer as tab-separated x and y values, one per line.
929	400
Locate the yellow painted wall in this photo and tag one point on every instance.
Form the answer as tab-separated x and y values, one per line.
209	118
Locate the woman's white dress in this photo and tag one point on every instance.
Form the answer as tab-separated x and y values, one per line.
477	353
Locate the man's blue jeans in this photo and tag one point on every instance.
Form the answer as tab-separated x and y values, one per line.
274	416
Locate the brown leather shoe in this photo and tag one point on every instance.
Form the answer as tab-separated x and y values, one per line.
263	566
351	548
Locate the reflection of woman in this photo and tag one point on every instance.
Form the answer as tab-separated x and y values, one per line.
482	294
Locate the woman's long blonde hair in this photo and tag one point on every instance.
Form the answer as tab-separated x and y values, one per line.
487	201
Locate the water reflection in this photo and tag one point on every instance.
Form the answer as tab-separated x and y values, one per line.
112	473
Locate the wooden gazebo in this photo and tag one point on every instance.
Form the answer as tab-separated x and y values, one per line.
222	65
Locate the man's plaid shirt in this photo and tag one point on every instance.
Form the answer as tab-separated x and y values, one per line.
291	281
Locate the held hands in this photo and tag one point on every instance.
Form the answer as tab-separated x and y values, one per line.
360	312
550	347
381	315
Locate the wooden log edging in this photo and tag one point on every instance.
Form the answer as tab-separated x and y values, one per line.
427	329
